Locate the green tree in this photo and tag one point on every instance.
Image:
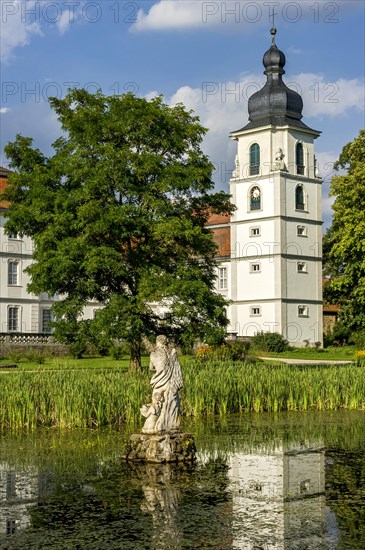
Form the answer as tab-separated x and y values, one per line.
117	215
344	242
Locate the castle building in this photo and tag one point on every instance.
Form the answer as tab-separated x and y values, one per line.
270	265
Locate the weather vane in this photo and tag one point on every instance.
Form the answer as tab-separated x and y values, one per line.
273	29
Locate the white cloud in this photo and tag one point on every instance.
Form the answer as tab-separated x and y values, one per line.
322	97
192	14
63	24
4	110
171	14
15	30
21	19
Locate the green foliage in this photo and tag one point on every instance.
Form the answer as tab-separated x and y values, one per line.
118	215
117	352
344	242
340	335
36	356
269	341
78	348
229	351
358	339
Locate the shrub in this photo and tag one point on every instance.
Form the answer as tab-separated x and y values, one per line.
116	352
15	356
77	349
340	334
269	341
229	351
36	356
358	338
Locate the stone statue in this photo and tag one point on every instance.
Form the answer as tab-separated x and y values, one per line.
316	172
236	171
163	413
279	162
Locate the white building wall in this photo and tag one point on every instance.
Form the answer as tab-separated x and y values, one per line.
29	306
285	237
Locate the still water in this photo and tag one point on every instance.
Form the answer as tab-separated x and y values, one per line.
283	481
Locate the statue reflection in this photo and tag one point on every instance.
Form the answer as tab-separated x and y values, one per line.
279	498
161	501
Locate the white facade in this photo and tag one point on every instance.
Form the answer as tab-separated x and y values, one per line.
275	268
20	311
274	273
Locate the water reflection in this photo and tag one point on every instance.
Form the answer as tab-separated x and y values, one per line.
161	501
20	489
279	497
288	493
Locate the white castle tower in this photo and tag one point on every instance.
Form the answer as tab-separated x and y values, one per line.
275	267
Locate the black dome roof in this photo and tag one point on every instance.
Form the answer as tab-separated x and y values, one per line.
275	103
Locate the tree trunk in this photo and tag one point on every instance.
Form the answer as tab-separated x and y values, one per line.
135	358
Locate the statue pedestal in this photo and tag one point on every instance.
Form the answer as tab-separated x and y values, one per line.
160	448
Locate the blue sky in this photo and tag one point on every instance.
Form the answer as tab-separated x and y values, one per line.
207	54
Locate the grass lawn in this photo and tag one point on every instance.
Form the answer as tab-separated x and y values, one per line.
346	353
68	363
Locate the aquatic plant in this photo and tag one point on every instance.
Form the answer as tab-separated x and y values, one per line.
95	398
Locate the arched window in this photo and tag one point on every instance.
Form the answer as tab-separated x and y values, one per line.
299	198
255	198
299	158
254	159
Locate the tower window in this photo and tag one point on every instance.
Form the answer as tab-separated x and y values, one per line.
299	198
301	231
255	231
299	158
302	311
255	311
255	198
254	159
222	278
302	267
255	268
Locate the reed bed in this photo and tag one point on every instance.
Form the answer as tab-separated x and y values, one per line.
69	399
223	388
94	399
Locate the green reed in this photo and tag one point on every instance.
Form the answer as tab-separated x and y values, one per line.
71	399
222	388
81	399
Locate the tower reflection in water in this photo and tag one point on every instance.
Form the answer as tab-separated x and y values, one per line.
278	498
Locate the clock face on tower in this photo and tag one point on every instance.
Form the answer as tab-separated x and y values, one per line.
256	193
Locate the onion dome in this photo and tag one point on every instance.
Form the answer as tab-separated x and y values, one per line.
275	104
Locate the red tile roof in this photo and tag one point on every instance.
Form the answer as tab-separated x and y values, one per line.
4	173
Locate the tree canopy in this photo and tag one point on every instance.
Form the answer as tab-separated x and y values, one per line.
344	242
118	215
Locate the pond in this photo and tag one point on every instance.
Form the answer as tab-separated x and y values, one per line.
261	481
